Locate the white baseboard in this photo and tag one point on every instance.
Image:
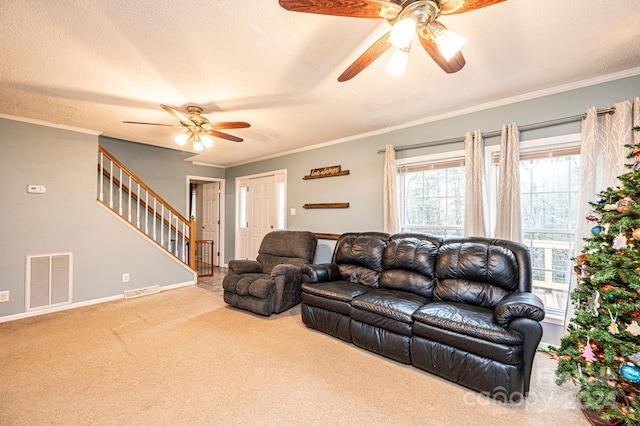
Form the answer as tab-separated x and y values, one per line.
81	304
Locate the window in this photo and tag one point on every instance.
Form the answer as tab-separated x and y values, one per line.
280	215
549	181
433	195
432	201
242	207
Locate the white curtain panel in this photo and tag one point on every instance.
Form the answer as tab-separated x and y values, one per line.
390	192
603	156
508	215
475	185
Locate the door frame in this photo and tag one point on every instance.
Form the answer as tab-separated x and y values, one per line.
221	234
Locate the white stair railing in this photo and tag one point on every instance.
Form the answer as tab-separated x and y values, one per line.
145	210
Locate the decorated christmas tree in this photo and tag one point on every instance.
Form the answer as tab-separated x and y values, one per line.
601	349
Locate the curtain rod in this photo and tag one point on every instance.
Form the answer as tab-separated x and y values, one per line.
533	126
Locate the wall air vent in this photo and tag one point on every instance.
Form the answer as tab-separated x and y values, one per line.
49	280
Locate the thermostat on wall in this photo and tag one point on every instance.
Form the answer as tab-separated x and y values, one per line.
36	189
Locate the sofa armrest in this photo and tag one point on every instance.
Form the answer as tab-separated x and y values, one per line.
245	266
321	272
518	305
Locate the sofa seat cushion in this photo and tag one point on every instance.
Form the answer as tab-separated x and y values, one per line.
468	328
334	296
240	283
470	320
389	309
344	291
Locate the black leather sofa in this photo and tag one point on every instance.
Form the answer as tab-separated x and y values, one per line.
460	308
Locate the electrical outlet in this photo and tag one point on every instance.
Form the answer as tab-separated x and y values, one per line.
125	278
4	296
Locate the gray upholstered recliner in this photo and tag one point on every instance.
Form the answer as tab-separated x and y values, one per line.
271	283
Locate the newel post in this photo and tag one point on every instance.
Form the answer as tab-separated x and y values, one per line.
192	243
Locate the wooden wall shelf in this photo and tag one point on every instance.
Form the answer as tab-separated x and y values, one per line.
326	206
323	236
341	173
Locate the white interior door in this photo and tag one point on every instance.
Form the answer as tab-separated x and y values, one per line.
261	212
211	215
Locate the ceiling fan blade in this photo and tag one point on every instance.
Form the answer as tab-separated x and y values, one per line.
152	124
452	7
364	60
454	64
227	125
226	136
177	114
386	9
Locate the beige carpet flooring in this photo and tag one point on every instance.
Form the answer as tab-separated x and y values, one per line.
182	357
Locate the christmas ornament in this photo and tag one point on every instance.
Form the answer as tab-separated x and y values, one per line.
580	268
596	229
587	352
636	234
624	205
613	327
620	241
634	328
593	216
594	303
635	358
610	207
630	372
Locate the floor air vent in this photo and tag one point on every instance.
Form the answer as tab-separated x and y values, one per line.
141	291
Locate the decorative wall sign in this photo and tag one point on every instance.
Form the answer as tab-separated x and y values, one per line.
326	206
324	172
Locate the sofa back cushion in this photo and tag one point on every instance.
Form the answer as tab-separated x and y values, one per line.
359	256
293	247
409	264
475	271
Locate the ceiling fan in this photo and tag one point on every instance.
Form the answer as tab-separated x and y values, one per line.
198	128
408	19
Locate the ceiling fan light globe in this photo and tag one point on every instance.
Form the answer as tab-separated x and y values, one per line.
398	62
403	32
198	146
449	43
182	139
207	142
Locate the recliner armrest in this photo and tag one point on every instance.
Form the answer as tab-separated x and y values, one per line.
518	305
285	269
321	272
245	266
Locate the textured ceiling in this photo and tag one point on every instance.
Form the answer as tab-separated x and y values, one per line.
94	64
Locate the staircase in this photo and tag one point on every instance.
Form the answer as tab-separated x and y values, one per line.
126	195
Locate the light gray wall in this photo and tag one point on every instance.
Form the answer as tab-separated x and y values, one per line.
67	218
164	170
362	188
